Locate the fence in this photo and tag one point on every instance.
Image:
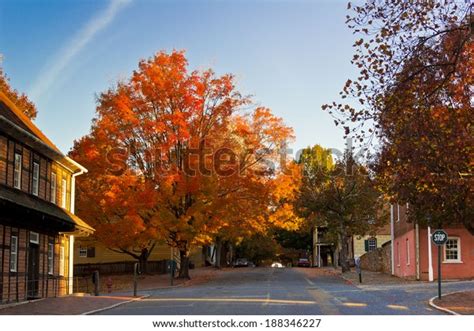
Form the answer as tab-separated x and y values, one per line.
114	268
18	287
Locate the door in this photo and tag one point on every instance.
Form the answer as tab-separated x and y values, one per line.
33	270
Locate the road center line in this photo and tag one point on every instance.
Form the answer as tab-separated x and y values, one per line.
354	304
397	307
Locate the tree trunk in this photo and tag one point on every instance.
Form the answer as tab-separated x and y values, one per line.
184	265
218	252
143	261
344	249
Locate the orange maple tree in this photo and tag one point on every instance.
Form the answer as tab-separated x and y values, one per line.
175	152
19	99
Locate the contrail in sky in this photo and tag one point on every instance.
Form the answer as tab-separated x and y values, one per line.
50	73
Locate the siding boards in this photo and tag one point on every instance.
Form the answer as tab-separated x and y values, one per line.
3	160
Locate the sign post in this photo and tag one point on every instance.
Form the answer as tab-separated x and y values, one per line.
439	237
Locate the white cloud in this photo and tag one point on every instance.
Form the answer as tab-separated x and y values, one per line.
52	71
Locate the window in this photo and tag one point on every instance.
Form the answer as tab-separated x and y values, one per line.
408	251
452	250
34	237
50	258
35	187
63	193
17	171
61	260
371	244
13	254
53	187
82	251
86	251
90	251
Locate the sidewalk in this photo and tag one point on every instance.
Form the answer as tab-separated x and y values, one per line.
375	278
124	283
351	277
460	302
122	292
68	305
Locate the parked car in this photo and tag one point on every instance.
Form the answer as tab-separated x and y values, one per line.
242	262
303	262
277	265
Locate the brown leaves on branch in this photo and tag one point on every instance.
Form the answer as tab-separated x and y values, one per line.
393	34
415	92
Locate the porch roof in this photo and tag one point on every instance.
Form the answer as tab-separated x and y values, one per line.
25	210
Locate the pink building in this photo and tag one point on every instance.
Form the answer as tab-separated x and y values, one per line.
414	255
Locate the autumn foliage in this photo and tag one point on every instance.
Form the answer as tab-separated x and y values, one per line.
173	156
19	99
413	96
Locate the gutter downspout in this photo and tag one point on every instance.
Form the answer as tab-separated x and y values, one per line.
392	239
430	259
417	250
315	247
71	238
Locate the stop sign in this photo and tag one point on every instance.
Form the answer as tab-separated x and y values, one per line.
440	237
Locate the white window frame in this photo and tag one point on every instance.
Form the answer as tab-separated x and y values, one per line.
54	187
63	193
82	251
408	250
61	260
458	260
50	258
35	182
34	237
398	212
14	253
17	171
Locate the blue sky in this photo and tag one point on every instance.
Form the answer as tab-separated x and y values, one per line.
292	56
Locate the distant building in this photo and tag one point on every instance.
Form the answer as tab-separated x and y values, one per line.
37	221
90	253
363	244
414	256
324	251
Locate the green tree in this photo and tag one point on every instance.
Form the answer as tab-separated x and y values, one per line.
343	198
258	248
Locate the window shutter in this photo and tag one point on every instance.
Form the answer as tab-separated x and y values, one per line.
90	251
366	245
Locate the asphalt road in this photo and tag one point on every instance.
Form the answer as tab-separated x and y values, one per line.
267	291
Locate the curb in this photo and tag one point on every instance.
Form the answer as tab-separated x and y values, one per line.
118	293
445	310
10	305
113	306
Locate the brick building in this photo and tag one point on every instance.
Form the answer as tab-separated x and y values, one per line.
414	256
37	221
